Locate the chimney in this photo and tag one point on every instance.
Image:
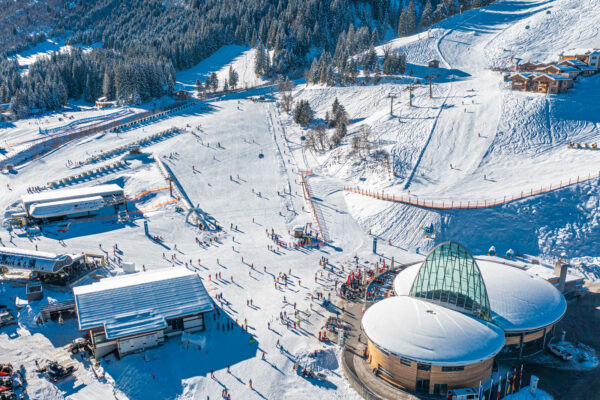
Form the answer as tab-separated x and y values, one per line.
560	270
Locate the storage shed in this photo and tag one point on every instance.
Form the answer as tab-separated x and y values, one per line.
131	312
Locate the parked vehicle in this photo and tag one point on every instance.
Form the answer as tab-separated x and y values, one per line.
463	394
560	351
56	372
79	344
6	369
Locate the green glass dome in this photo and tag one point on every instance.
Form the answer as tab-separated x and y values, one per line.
450	277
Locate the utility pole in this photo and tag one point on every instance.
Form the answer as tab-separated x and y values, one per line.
391	97
410	88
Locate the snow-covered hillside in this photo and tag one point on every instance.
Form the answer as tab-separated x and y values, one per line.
240	160
45	49
240	58
476	139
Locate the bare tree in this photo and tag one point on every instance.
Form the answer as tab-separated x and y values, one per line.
360	141
287	101
321	137
311	140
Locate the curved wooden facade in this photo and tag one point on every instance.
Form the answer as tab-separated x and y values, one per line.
415	376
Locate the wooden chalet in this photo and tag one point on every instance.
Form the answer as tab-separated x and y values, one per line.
551	83
585	69
565	70
529	66
590	57
522	81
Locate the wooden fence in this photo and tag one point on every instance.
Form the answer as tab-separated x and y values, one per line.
308	197
469	204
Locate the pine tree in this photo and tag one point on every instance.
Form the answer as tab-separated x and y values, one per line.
312	75
411	19
388	61
402	28
369	60
260	61
377	76
108	87
214	82
233	77
335	107
426	17
198	86
303	114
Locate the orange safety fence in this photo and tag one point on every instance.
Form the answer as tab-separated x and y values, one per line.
469	204
164	203
308	197
145	192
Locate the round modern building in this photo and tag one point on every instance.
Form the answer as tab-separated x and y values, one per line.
452	315
524	306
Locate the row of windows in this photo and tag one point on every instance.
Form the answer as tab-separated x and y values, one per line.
452	369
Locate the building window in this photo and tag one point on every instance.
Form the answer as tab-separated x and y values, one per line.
423	367
385	371
440	388
452	369
176	324
404	361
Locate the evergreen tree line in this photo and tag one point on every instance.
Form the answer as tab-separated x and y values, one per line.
50	82
23	24
343	67
434	11
180	34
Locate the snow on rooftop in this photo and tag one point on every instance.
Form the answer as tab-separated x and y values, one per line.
14	251
134	322
65	194
163	293
518	299
32	260
422	331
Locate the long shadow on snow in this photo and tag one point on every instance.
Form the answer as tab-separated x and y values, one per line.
547	224
171	363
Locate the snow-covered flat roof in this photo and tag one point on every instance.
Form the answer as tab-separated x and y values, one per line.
520	301
425	332
125	304
66	194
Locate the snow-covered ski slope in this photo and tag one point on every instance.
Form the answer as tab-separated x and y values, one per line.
498	142
240	58
523	142
220	168
518	131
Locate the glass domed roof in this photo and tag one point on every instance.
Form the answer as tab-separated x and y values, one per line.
450	277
